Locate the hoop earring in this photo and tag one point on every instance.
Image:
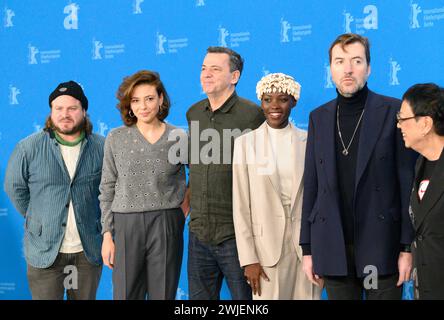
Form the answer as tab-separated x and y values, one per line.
131	114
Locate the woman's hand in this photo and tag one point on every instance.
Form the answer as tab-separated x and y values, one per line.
108	250
253	272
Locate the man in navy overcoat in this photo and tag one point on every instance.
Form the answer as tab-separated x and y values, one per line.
355	229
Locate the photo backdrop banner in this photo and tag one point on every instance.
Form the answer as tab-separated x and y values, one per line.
97	43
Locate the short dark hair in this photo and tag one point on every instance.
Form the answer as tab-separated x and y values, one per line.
349	38
126	89
236	61
427	99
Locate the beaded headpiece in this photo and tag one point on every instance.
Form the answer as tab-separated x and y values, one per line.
278	83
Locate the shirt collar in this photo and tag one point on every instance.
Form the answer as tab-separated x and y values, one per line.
228	104
282	131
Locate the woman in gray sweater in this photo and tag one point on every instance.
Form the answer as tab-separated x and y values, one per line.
141	193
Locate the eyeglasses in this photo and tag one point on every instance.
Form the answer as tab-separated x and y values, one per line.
400	120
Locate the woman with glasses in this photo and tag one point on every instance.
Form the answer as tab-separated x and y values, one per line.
421	120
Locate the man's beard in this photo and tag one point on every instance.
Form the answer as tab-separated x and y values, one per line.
79	127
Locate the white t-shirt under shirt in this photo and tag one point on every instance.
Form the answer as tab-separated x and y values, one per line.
71	242
280	140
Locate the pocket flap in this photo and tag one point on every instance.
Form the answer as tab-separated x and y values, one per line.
33	226
312	216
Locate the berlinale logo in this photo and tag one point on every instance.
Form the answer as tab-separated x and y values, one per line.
394	69
8	18
32	53
136	7
285	27
223	34
97	46
415	10
103	127
348	19
328	83
161	39
37	127
72	19
13	93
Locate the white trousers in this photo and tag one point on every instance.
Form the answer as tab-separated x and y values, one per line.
287	280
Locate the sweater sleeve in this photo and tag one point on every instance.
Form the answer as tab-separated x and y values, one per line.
107	186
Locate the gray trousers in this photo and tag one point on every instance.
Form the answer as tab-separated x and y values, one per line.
71	272
148	256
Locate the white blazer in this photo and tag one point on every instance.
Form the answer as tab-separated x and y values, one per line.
258	213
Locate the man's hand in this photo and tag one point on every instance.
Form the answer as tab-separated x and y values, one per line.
253	272
185	205
307	267
405	262
108	250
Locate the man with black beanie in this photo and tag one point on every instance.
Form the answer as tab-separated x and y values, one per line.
53	180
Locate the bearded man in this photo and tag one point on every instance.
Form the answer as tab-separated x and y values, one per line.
53	179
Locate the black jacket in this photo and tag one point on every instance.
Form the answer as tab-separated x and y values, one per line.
428	221
383	181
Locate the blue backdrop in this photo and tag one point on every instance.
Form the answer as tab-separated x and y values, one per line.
99	42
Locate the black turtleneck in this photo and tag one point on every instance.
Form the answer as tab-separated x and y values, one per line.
350	109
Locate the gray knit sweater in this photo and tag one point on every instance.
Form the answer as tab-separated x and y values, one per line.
137	176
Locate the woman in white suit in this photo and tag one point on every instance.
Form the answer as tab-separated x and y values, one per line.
267	196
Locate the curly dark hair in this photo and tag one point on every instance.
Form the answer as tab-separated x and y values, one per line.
126	90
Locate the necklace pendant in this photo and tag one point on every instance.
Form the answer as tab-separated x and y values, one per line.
345	152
